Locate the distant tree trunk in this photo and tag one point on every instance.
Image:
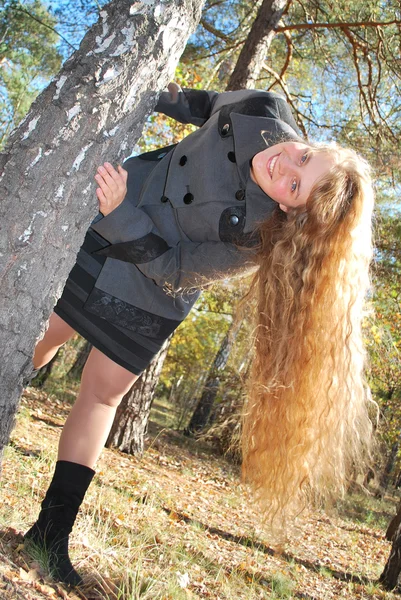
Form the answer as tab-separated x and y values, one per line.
389	467
76	370
254	50
201	415
94	108
44	373
389	577
224	434
131	420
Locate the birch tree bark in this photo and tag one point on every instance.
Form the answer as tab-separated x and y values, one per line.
93	110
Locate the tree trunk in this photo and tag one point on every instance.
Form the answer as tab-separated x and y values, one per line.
200	417
131	420
76	370
254	50
389	577
394	524
245	74
92	110
389	467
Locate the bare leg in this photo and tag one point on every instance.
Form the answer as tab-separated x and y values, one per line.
56	335
103	385
85	432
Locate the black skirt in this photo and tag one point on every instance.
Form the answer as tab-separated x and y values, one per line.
127	348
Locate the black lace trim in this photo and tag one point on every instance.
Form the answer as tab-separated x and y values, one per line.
138	251
127	316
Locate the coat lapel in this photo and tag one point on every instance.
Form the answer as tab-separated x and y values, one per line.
252	135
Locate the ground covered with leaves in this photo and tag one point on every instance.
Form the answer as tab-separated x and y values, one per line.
176	524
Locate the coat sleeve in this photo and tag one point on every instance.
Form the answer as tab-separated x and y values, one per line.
191	265
197	106
191	106
124	223
183	266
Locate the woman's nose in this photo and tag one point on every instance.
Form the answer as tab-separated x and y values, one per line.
286	164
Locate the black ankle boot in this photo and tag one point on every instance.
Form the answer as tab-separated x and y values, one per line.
56	519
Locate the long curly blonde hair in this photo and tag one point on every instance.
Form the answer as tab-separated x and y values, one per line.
306	422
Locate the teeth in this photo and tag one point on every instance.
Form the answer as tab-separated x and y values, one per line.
272	163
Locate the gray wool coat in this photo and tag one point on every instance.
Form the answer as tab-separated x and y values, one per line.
191	210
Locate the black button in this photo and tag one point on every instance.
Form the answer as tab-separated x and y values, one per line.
164	199
183	160
225	129
231	156
240	194
188	198
234	220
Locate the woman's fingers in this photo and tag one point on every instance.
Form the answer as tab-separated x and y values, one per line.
123	173
100	195
174	90
112	187
110	176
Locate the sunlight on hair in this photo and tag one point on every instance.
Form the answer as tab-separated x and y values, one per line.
306	422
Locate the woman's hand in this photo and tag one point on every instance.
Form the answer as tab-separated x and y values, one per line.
174	90
112	187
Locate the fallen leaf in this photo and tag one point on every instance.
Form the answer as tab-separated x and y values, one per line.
31	575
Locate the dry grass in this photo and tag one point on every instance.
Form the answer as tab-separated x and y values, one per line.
175	525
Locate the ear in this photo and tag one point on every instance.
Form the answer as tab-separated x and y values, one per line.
283	207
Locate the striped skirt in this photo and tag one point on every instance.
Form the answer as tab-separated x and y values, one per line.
129	349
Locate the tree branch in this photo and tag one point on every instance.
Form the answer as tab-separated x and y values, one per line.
286	91
219	34
337	24
26	12
289	54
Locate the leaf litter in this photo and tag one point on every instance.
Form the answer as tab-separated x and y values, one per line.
176	524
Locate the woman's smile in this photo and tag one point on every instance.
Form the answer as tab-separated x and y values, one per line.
287	172
271	163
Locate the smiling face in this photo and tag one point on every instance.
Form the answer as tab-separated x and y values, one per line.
288	171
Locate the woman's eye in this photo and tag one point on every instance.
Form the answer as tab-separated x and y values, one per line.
304	158
293	186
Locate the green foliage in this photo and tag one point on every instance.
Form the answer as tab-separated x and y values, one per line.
28	57
339	69
282	586
383	330
343	80
192	350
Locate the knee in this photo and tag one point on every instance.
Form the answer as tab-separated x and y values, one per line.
104	389
105	381
106	393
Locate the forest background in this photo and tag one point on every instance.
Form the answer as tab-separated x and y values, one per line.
338	65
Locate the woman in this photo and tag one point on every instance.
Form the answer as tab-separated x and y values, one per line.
243	191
